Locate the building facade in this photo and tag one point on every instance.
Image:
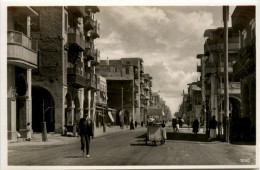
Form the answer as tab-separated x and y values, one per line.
243	21
22	58
123	87
65	83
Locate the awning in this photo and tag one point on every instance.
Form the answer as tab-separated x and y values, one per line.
110	116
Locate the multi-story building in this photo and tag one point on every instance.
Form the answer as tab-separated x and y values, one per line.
21	59
195	98
243	21
64	86
146	95
214	72
123	87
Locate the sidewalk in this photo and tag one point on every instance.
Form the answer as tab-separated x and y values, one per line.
58	139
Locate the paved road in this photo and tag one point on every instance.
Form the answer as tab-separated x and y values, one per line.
128	148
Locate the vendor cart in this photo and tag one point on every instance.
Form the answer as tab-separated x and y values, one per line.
154	134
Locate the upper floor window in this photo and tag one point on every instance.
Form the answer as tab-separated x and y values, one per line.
127	70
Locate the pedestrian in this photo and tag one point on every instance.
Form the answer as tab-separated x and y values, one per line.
135	124
29	133
195	127
164	130
132	125
85	132
212	128
174	125
177	127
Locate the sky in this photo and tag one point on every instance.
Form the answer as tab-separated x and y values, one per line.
168	38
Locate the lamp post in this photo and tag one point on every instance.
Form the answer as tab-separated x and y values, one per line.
122	89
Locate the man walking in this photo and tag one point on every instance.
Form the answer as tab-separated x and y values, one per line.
85	132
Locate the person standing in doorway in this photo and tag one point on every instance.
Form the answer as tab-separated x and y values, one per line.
212	128
85	132
29	132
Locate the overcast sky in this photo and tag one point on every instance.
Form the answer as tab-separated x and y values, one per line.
167	38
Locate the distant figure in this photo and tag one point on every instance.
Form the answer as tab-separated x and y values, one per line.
85	132
132	125
29	133
212	128
142	123
180	123
135	124
195	127
174	125
164	130
177	127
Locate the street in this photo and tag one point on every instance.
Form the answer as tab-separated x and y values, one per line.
128	148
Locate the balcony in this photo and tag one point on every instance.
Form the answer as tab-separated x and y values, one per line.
96	60
142	69
136	103
95	9
89	23
75	77
147	97
76	39
136	89
89	53
198	68
136	76
142	80
233	88
221	68
21	50
218	45
78	11
210	69
95	33
91	82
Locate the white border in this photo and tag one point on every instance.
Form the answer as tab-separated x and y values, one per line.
3	71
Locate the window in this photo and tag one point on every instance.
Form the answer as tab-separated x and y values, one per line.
128	62
127	70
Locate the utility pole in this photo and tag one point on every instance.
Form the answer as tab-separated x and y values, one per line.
225	19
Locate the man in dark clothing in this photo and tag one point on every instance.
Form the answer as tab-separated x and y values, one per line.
85	132
132	125
135	124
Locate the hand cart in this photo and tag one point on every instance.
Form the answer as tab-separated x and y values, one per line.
154	134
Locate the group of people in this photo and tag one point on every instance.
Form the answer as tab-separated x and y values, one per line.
177	124
212	127
132	125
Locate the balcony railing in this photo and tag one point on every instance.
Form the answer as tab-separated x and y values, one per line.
218	45
76	77
76	39
91	82
221	68
89	23
21	50
96	60
89	53
96	31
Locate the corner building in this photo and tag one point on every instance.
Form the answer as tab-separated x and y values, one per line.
22	58
65	82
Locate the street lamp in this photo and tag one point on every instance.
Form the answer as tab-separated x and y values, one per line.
122	89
